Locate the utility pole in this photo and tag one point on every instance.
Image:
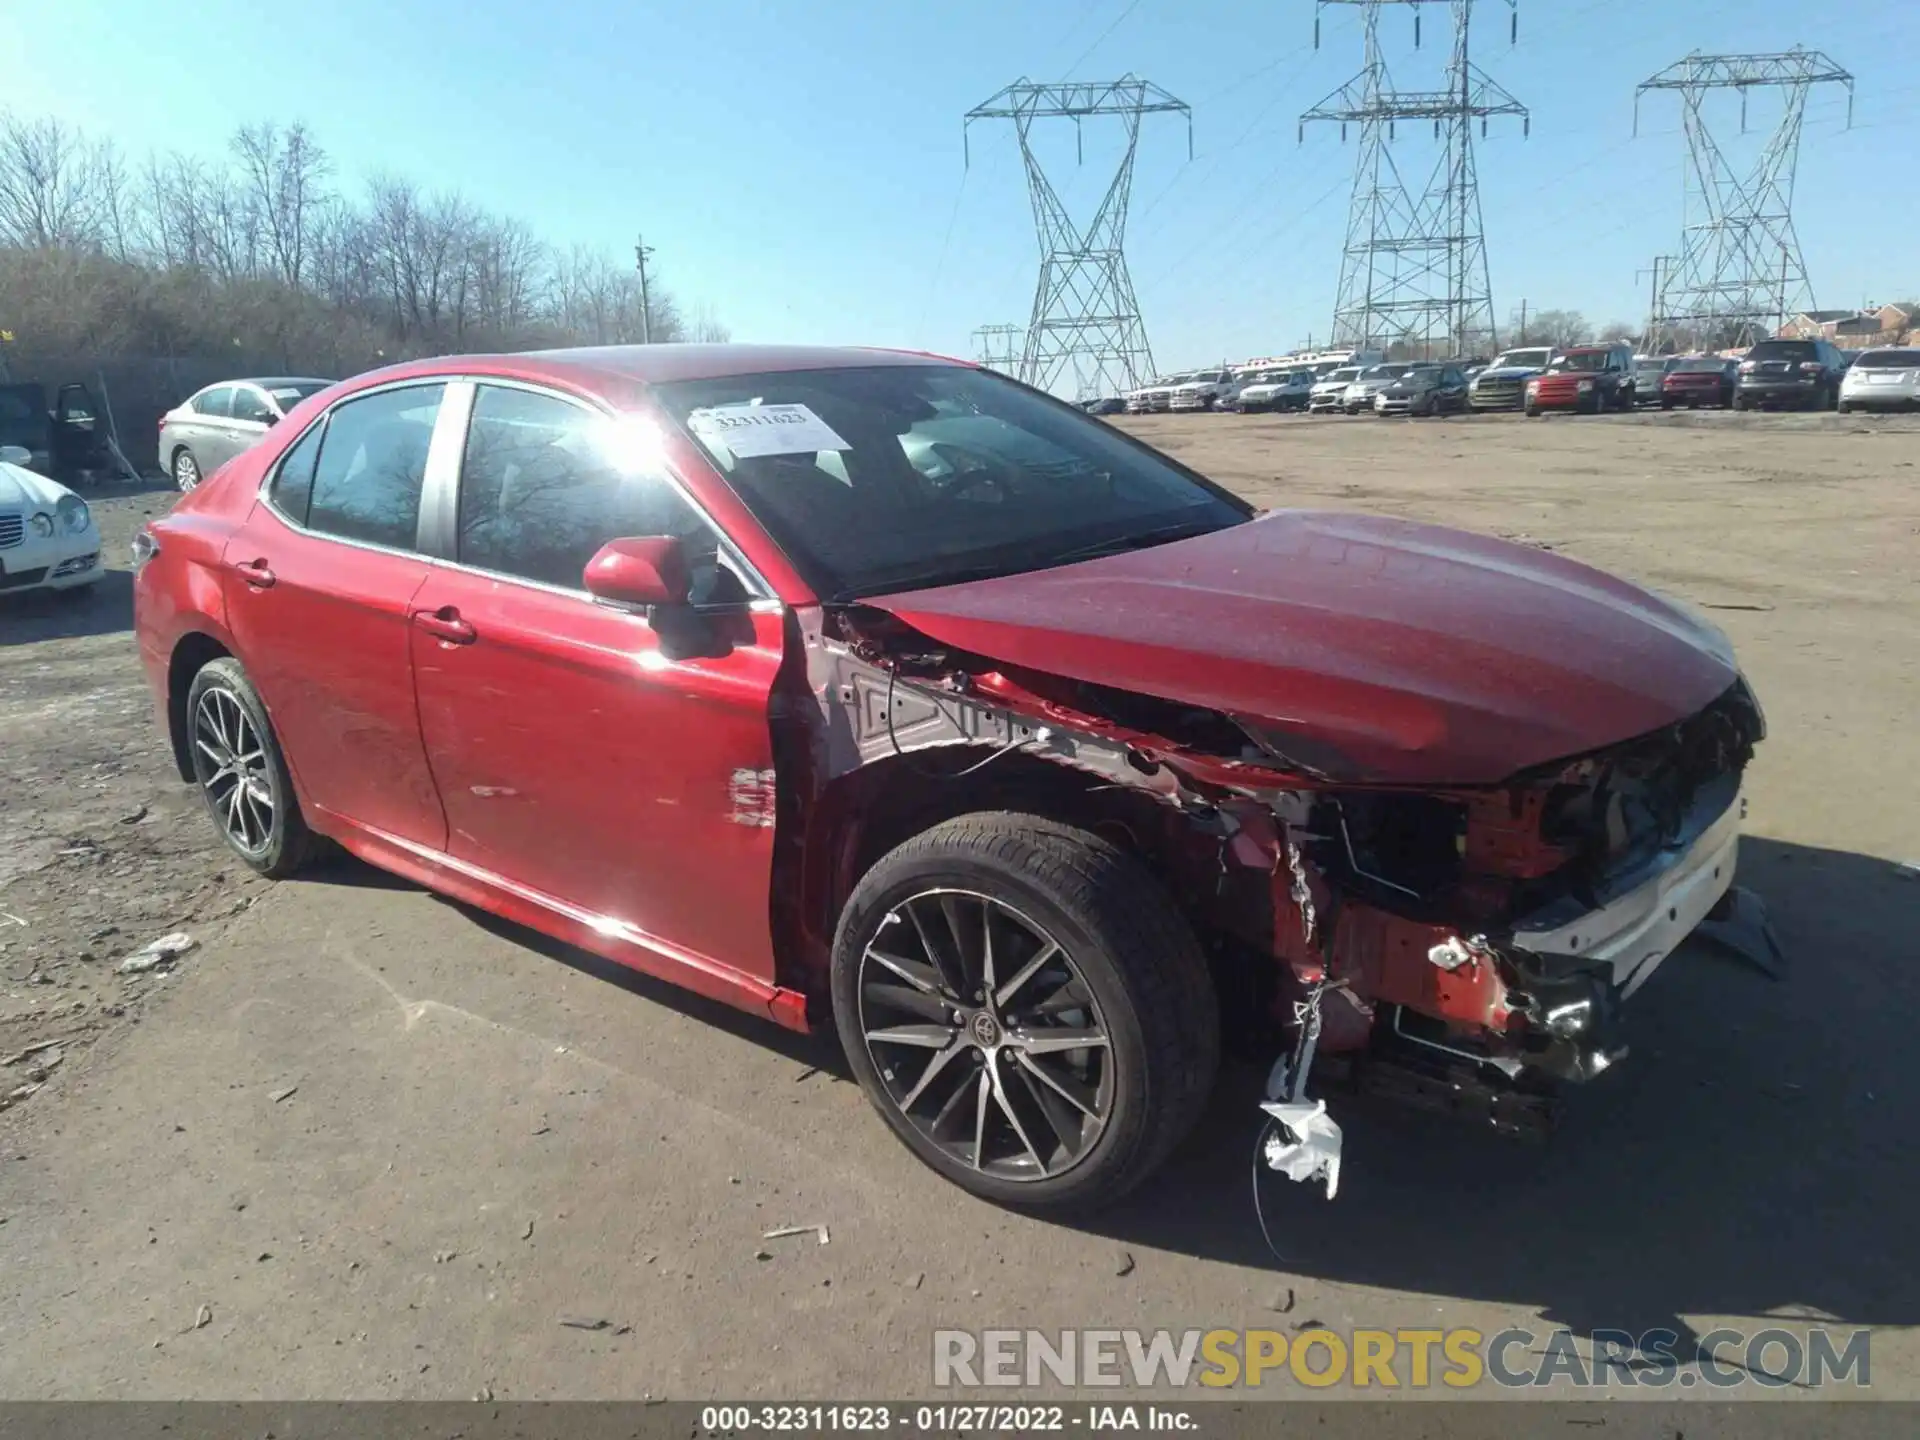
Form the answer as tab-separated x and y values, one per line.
1724	284
1414	259
1086	318
1523	322
1652	339
641	253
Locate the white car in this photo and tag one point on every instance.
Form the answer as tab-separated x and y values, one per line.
1882	380
1368	383
47	537
1329	393
1152	396
1201	390
1276	390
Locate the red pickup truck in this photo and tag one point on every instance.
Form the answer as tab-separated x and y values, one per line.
1589	378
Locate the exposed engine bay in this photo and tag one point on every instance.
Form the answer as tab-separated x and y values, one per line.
1465	949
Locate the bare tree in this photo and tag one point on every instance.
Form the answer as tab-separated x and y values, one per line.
49	185
1558	327
1618	330
284	173
704	325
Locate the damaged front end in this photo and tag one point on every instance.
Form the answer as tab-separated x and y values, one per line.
1465	949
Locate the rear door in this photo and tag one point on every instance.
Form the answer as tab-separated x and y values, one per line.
617	762
205	427
320	584
251	418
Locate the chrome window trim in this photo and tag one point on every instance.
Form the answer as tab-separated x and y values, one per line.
440	490
264	494
749	575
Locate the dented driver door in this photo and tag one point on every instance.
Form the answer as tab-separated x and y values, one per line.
616	763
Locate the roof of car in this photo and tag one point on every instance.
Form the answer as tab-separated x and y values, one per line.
267	382
663	364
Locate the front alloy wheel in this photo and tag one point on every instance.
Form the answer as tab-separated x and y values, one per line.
985	1035
1026	1008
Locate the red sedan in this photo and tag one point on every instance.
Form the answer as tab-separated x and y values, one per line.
867	685
1699	380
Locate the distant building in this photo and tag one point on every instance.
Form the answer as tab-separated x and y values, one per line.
1869	326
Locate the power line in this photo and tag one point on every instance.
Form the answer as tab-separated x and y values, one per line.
1118	21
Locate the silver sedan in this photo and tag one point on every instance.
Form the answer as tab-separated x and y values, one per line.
1882	380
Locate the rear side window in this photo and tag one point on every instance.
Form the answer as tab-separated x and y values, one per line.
292	487
217	401
540	494
372	465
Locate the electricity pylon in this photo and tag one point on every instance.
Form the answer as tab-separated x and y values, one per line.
1414	265
1740	274
997	347
1085	318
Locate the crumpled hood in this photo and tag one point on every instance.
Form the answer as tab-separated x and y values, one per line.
23	489
1365	647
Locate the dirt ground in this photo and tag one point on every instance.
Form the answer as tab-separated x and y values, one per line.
365	1143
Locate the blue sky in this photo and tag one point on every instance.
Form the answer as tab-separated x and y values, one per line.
799	165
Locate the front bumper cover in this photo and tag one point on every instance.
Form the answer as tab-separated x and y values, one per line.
1646	916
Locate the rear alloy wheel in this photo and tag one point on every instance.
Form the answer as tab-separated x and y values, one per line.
241	774
1026	1009
186	471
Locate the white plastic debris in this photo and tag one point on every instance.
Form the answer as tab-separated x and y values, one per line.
1304	1142
157	955
783	1231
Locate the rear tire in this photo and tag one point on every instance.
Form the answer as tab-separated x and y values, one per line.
241	773
1065	1128
186	471
1740	402
1844	408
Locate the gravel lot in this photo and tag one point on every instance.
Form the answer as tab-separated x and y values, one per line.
362	1142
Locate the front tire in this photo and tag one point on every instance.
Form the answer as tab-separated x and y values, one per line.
241	773
1026	1009
186	471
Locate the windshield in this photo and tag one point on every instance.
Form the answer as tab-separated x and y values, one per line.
1344	374
288	396
1384	372
1523	359
895	477
1702	364
1649	367
1784	350
1580	360
1889	360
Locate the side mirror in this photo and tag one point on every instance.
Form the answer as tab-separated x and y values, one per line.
15	455
650	570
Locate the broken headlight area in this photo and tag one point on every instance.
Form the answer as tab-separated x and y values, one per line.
1472	952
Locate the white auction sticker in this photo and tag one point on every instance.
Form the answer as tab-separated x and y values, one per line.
751	430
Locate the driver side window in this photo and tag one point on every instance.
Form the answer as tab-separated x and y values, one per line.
539	496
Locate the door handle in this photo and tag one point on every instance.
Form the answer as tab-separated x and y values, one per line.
446	624
256	573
